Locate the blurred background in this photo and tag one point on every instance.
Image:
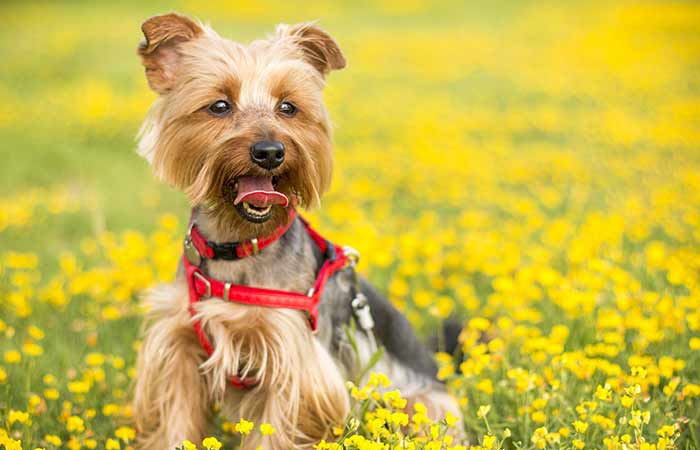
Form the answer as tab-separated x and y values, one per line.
537	161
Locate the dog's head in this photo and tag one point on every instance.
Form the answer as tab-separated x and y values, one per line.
242	129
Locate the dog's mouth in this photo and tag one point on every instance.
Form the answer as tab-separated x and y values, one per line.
254	197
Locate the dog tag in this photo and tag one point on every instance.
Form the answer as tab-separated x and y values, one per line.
191	253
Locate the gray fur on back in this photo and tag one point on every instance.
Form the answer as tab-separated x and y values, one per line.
291	263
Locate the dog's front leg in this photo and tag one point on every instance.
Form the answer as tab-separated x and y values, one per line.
171	399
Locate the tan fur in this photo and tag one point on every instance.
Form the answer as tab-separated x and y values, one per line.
300	392
177	385
201	154
172	397
159	50
300	389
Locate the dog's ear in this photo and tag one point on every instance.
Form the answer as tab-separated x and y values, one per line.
159	51
320	49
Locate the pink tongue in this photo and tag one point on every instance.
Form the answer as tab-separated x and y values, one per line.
258	191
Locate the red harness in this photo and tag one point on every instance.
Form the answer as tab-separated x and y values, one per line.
201	286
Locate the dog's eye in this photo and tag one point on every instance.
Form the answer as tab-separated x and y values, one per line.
288	109
220	108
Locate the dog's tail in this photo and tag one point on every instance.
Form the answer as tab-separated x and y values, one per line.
447	338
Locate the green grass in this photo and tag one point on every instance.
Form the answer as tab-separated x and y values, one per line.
477	144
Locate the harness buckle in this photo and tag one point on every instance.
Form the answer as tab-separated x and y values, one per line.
225	251
254	243
203	279
191	252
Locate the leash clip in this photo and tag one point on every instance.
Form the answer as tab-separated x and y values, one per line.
352	254
360	306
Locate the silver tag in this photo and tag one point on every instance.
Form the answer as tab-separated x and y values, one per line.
191	253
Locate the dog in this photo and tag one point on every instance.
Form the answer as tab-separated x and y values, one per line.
257	320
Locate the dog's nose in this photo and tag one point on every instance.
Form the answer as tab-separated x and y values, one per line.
267	154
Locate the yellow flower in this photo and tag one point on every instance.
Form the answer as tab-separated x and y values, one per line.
603	393
626	401
666	431
539	417
10	444
539	437
488	442
483	411
95	359
670	388
580	427
51	394
112	444
691	390
450	419
445	371
17	416
243	427
75	424
189	445
639	372
126	434
479	323
399	419
30	348
323	445
359	394
378	380
53	440
212	443
579	444
34	400
639	418
12	357
110	409
266	429
35	332
485	385
79	387
393	398
694	343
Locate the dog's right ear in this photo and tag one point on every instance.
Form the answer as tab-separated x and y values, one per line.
159	51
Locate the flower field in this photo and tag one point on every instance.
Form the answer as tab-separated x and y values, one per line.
529	168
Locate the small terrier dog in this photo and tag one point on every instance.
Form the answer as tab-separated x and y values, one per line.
257	319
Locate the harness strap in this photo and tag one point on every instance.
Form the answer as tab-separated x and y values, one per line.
236	250
202	286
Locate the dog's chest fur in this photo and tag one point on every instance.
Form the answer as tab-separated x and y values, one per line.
301	374
289	264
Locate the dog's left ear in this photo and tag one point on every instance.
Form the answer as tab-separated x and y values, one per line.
320	49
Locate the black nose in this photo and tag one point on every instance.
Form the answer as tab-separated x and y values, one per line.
267	154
